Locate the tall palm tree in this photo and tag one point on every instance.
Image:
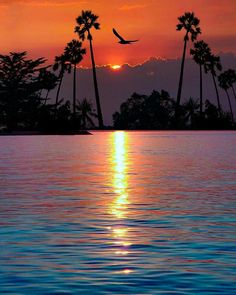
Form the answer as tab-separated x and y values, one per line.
85	23
212	65
85	109
200	53
224	83
74	55
190	24
61	63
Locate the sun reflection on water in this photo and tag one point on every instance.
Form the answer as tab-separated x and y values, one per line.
118	208
120	182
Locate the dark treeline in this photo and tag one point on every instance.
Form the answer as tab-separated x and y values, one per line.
25	90
26	85
157	111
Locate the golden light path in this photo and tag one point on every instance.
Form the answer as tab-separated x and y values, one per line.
120	184
119	206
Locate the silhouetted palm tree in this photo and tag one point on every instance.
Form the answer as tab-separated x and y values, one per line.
190	24
87	21
86	113
200	53
49	82
74	54
191	106
211	65
61	63
224	83
231	74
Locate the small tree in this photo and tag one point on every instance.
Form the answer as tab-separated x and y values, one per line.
191	107
86	113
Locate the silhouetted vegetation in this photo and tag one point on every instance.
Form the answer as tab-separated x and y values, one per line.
21	83
157	111
86	113
74	53
232	80
225	83
63	66
200	54
26	85
212	65
22	105
85	23
190	24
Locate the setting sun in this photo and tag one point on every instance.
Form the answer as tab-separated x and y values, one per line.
116	67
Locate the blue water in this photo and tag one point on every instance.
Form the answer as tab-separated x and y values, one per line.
118	213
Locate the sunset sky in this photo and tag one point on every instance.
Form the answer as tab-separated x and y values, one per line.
44	27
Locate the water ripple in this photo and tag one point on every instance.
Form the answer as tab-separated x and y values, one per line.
118	213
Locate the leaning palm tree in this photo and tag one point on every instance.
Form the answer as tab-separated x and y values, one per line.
224	83
190	24
48	81
200	52
86	112
212	65
74	54
85	23
61	63
231	74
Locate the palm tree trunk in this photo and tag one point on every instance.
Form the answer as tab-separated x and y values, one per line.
46	98
40	93
201	91
230	106
217	93
84	121
233	91
58	90
100	118
74	92
181	75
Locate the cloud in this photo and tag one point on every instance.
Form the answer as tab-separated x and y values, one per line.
132	6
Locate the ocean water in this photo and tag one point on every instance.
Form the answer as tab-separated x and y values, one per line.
118	213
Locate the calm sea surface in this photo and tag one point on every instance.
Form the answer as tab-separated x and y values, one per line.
118	213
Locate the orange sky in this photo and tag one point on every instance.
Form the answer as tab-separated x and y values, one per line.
43	27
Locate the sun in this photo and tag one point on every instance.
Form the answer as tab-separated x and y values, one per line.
115	67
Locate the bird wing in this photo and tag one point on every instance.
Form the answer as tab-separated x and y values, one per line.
132	40
117	35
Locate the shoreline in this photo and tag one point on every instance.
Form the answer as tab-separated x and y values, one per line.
30	133
85	132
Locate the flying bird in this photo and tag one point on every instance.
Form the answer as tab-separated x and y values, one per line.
122	40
